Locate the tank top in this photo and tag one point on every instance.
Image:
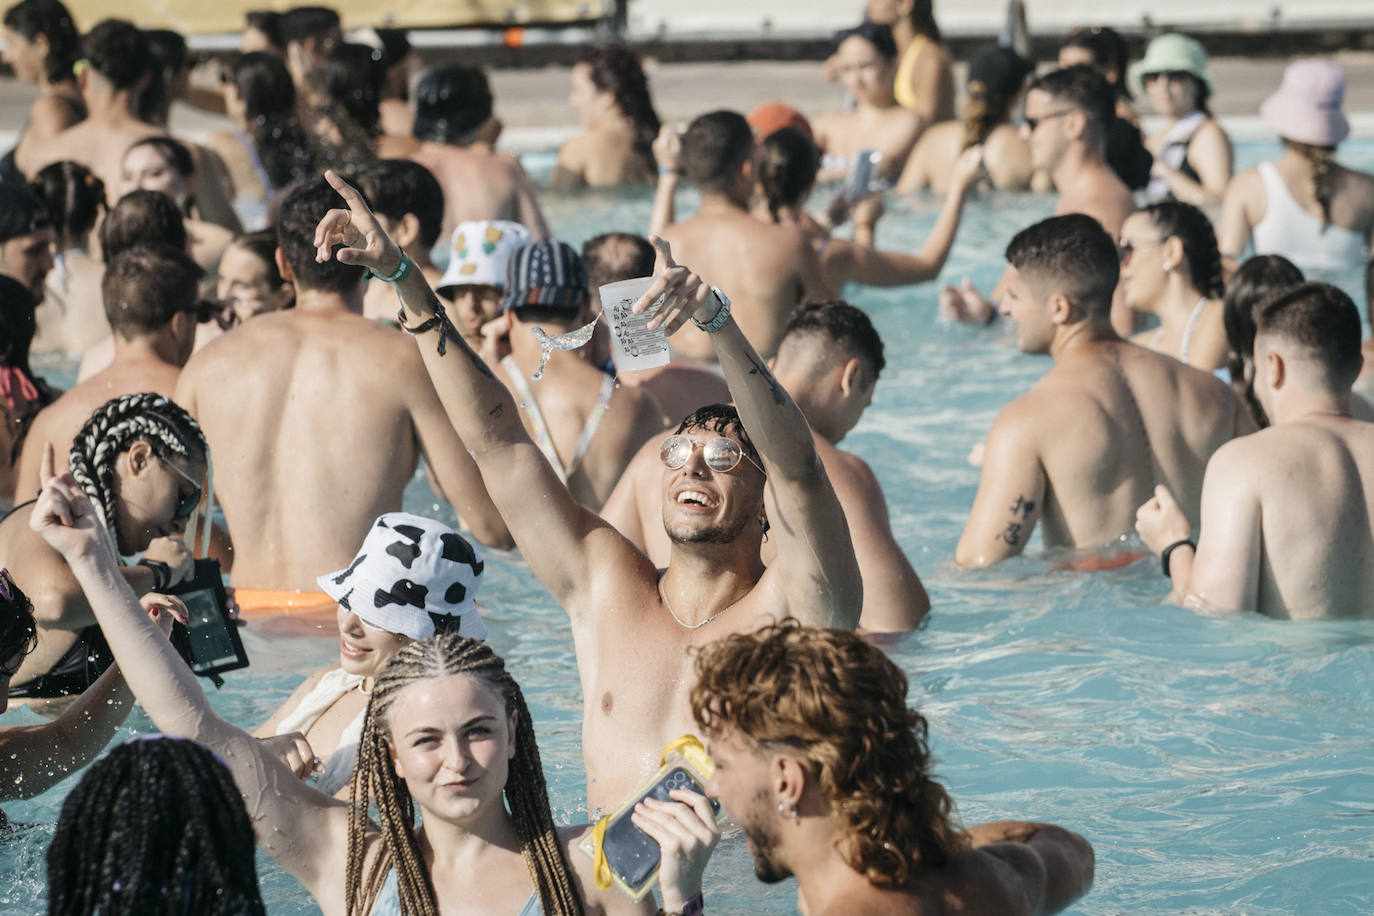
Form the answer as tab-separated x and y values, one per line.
1291	231
1173	152
329	689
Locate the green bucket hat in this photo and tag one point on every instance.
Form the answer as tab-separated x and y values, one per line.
1173	53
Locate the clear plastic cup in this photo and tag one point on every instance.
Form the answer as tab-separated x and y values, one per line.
635	346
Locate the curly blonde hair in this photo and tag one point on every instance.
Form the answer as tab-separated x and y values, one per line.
842	703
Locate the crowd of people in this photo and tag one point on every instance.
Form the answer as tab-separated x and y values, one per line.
351	280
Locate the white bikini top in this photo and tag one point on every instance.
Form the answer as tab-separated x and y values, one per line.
1187	331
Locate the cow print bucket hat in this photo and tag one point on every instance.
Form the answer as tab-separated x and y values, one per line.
411	574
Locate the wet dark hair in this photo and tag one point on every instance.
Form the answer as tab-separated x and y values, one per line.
923	19
145	286
157	825
269	98
117	51
353	78
715	146
848	327
995	78
1321	318
301	211
788	164
1175	219
1083	88
167	56
724	419
451	104
1254	283
1109	51
142	217
18	628
74	198
879	36
268	22
618	70
305	22
614	256
50	19
397	187
1074	252
17	324
1126	154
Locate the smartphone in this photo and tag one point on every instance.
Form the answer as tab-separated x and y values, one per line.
630	852
210	640
861	174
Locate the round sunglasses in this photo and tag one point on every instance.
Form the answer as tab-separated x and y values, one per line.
721	454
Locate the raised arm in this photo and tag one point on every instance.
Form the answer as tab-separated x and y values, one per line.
573	542
1010	496
302	828
815	567
667	150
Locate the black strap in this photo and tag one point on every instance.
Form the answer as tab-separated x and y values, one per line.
1164	557
439	319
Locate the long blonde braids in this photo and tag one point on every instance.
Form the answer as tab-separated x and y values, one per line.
374	778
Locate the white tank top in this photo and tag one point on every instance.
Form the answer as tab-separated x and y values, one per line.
1289	230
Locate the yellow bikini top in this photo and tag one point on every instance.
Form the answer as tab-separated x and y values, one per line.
901	86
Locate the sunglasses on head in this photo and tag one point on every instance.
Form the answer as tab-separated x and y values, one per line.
188	501
721	454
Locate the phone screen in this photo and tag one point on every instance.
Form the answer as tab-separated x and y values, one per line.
630	852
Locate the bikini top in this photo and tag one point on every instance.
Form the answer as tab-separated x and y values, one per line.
1187	331
389	900
1173	150
540	430
901	86
1291	231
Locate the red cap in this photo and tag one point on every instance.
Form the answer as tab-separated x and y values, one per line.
774	116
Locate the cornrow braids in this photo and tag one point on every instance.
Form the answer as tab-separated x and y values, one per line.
375	780
154	827
114	427
1319	159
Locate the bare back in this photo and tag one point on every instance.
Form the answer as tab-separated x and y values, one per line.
931	165
768	270
1117	421
310	435
1097	192
479	185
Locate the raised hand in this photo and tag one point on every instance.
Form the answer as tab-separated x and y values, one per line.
362	239
668	148
682	291
63	515
686	832
968	167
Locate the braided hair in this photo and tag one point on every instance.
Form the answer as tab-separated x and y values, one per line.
1319	160
154	827
375	781
114	427
1175	219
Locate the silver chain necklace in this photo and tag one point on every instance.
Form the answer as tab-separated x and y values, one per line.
690	626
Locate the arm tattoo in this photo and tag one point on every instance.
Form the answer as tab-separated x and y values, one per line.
1023	507
1012	535
779	396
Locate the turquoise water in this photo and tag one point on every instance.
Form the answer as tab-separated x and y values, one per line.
1218	765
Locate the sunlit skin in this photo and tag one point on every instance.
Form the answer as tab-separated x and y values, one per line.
1172	94
736	783
144	169
25	57
365	650
705	506
452	742
1024	304
1047	140
865	74
1142	271
243	282
147	492
474	306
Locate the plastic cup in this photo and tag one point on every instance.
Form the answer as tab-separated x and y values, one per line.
635	346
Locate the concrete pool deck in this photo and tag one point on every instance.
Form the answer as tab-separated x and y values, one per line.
533	104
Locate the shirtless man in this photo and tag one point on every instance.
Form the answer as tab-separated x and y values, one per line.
150	295
588	427
410	205
116	56
452	105
634	626
1285	512
1068	112
770	270
1093	437
790	714
829	362
316	417
678	388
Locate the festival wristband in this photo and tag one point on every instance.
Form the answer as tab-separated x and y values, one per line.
397	275
694	907
162	574
1164	557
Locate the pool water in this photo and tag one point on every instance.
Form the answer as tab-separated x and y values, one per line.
1218	765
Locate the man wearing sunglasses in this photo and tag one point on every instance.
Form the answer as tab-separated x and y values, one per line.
1068	114
1092	439
633	624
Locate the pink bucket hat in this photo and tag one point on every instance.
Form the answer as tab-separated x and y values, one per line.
1307	106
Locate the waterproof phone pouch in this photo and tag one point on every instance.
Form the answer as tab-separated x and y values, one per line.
636	347
623	854
861	174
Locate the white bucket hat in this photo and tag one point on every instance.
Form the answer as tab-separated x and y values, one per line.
408	569
479	252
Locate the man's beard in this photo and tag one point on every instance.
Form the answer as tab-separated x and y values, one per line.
763	840
724	533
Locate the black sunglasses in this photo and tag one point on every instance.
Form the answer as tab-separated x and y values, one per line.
1033	123
188	502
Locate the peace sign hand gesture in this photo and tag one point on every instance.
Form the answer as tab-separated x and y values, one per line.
362	239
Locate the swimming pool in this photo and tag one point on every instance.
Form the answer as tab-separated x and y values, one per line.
1218	765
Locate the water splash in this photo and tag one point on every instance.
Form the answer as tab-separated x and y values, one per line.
571	340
